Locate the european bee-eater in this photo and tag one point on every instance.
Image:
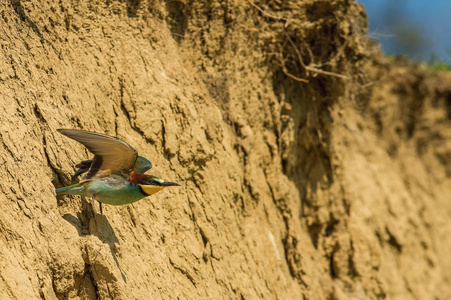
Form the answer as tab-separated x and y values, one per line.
115	174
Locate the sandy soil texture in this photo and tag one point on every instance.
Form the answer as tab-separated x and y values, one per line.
311	166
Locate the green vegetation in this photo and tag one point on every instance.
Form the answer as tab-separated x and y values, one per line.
438	66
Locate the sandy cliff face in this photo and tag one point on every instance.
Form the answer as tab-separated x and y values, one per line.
309	166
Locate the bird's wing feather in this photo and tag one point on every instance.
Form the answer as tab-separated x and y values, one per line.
111	155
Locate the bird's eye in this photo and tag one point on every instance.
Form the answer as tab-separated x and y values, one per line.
153	182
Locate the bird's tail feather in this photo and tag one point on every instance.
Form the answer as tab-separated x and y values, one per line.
70	189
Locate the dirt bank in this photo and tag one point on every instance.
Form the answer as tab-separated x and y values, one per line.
310	165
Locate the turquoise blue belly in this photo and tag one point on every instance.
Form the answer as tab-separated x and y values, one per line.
115	195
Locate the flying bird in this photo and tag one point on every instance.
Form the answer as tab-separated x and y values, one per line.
116	173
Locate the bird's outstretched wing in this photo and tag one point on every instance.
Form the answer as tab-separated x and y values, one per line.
111	155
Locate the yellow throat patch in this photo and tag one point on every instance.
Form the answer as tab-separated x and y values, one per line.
150	189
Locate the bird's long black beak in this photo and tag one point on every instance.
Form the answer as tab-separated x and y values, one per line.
167	183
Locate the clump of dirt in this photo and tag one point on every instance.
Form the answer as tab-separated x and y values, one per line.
310	165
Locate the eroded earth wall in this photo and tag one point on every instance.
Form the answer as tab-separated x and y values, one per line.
310	166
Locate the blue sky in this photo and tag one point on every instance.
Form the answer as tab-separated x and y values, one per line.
420	29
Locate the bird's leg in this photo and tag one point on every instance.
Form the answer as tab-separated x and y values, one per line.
101	211
93	203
